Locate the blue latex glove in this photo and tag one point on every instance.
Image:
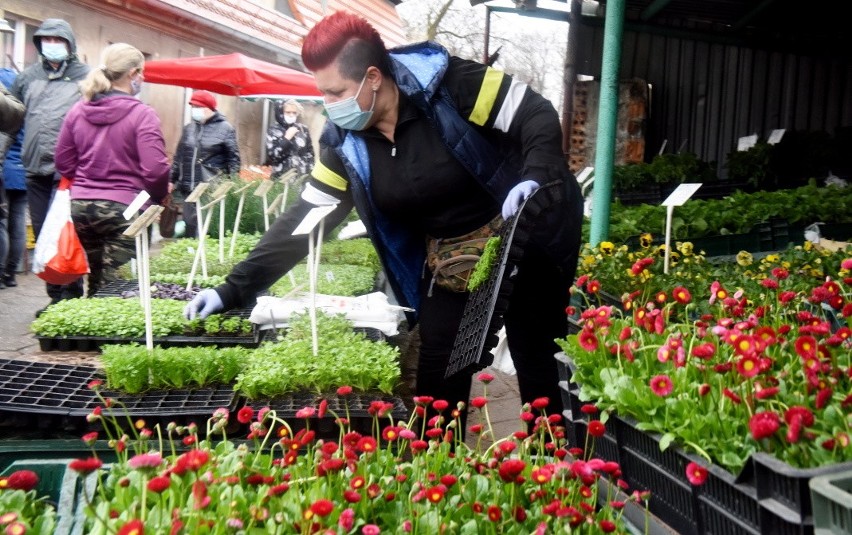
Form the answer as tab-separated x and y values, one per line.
202	305
516	196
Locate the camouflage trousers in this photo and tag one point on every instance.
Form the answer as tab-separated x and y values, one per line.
100	226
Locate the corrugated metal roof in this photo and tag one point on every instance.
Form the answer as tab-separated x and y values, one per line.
819	26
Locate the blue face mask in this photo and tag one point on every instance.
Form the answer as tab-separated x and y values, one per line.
347	113
55	52
136	85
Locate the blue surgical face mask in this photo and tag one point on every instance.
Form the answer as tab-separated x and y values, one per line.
347	114
55	52
136	85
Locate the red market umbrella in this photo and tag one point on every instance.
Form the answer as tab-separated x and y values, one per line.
232	74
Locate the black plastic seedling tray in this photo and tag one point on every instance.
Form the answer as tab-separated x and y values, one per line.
94	343
60	389
483	314
360	419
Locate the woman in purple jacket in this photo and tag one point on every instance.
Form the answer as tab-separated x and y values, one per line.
111	145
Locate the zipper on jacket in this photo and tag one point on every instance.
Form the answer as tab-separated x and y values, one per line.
393	151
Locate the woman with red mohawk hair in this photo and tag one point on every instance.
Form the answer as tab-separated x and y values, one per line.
431	150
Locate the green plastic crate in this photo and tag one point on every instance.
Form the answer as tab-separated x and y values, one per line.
832	503
62	487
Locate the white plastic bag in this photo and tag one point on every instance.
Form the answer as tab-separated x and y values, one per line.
59	257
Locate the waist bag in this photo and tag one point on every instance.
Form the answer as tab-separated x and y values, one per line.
451	260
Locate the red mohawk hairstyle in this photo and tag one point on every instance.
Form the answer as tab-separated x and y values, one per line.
348	39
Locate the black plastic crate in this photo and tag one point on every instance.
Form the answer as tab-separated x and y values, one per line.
672	499
647	445
727	505
788	487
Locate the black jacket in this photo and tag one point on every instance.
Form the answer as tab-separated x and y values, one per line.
204	151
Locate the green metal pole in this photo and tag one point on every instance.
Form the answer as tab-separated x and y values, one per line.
607	121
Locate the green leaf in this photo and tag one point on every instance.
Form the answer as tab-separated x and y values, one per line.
666	440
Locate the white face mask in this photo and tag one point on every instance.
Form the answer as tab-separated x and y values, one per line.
197	114
290	118
54	51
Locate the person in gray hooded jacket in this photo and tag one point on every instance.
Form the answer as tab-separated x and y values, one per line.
48	89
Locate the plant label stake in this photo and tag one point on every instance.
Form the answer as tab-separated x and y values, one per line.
275	207
219	196
680	195
139	230
317	215
199	253
242	191
195	197
286	178
262	191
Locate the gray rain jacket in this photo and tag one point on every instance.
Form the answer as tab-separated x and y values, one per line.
48	94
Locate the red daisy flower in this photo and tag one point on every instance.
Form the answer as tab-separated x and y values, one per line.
478	402
597	428
588	340
134	527
25	480
763	425
85	466
661	385
748	365
696	474
159	484
322	507
681	295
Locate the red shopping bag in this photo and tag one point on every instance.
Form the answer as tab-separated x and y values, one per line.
59	257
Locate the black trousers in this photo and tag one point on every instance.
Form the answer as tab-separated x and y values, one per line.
534	319
40	189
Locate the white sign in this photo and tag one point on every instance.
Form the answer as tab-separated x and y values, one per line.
313	217
681	194
776	136
137	203
746	142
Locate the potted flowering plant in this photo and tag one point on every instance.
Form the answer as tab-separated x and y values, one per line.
761	372
741	382
414	476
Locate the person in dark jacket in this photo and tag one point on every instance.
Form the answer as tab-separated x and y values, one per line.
427	146
48	89
13	185
207	149
288	143
111	145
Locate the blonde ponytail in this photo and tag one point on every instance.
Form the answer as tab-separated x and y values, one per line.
116	61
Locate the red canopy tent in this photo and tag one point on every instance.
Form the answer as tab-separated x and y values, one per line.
232	74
